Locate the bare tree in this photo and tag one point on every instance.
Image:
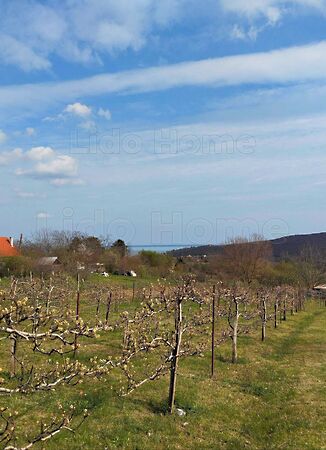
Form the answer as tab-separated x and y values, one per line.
311	267
245	257
65	421
163	327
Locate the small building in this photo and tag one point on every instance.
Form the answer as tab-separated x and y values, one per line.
319	290
48	264
7	248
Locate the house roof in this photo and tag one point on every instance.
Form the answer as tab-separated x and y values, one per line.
6	249
48	261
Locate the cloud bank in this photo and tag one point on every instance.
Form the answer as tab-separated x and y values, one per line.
78	30
289	65
85	31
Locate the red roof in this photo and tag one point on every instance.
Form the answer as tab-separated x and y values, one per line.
6	249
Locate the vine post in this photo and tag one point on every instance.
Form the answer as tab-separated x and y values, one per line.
77	310
213	331
175	354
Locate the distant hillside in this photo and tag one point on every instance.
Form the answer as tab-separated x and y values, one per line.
282	247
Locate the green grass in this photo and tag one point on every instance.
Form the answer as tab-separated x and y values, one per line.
122	281
274	398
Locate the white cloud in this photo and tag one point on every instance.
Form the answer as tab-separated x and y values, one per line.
106	113
17	53
61	166
10	156
289	65
32	32
40	153
261	14
43	215
3	137
84	112
30	131
43	163
67	181
284	150
88	125
78	109
272	10
58	117
78	30
241	33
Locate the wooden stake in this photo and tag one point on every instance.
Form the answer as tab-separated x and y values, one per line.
133	290
235	332
175	356
213	332
77	310
284	308
108	306
263	328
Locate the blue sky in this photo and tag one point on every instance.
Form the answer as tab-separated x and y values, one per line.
163	122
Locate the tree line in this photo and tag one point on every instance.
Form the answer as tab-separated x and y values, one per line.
249	260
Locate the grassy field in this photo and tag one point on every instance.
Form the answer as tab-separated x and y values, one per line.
122	281
274	398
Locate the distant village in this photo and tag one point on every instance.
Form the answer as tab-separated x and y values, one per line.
15	257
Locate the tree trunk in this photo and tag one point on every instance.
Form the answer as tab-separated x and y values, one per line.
98	307
275	314
302	302
175	356
48	300
13	351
